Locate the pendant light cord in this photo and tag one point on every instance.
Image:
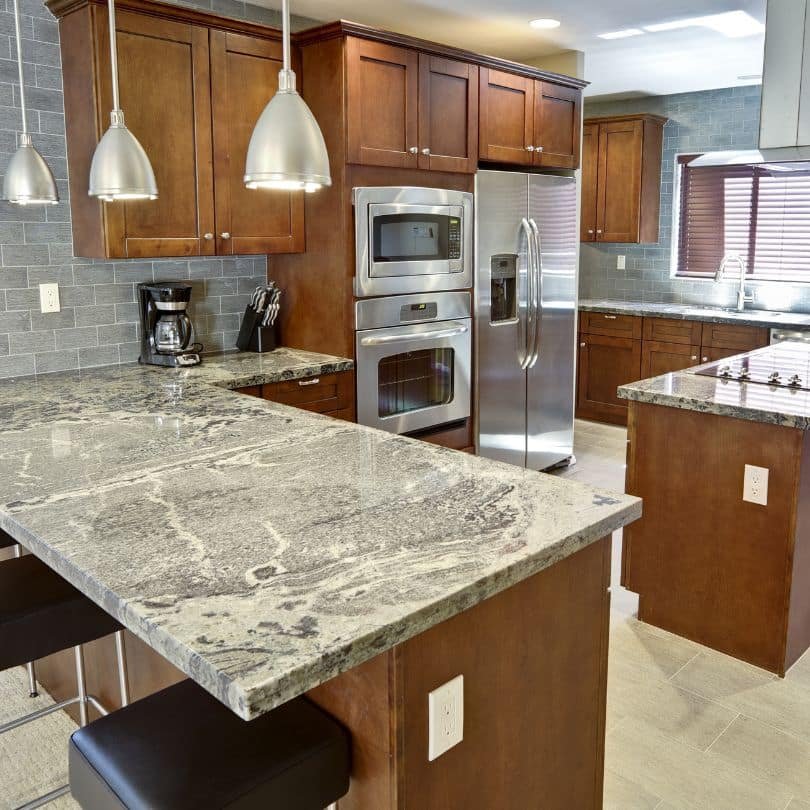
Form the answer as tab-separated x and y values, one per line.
20	64
113	55
285	33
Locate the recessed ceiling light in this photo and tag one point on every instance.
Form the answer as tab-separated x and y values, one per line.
545	23
730	24
623	34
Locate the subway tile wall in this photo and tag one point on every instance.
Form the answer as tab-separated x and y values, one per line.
98	324
698	122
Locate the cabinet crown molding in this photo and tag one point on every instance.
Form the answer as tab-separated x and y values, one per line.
609	119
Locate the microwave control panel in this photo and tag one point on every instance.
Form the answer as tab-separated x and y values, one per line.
454	238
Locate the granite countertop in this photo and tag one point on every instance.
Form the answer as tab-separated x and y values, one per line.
749	317
260	548
755	402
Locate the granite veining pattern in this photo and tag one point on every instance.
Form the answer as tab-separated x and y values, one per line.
260	548
749	317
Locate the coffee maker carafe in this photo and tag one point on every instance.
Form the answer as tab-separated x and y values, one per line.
166	330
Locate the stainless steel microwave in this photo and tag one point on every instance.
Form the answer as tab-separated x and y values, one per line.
412	240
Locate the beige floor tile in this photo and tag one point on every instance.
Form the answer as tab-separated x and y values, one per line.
636	692
622	794
751	691
650	648
757	747
798	804
799	673
684	776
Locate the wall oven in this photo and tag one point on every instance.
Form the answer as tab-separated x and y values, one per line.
410	240
414	361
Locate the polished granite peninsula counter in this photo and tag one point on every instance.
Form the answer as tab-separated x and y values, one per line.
708	562
263	551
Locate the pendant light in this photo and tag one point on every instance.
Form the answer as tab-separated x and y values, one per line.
28	179
120	169
287	150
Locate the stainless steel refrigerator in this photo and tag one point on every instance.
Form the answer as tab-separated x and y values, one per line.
526	297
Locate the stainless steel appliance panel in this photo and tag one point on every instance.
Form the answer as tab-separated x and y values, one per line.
502	258
550	378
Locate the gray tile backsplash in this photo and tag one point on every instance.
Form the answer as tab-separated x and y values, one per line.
710	120
98	322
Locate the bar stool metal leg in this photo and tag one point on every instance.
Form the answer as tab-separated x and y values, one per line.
81	684
123	673
32	672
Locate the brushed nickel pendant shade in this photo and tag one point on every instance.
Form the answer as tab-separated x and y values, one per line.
287	150
120	169
28	179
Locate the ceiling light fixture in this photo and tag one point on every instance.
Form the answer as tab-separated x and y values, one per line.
623	34
120	169
545	23
730	23
287	150
28	179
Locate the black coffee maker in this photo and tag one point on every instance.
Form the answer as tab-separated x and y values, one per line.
166	330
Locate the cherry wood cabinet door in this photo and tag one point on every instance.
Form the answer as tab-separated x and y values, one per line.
590	170
164	86
448	115
605	363
382	99
557	124
658	357
619	181
244	77
506	117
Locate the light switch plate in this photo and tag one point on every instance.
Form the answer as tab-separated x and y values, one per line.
49	298
445	717
621	262
755	485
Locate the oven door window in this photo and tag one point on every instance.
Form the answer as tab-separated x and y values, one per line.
412	381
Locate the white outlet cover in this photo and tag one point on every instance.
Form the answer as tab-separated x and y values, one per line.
755	485
621	262
445	717
49	298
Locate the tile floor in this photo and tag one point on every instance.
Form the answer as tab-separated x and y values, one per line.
687	727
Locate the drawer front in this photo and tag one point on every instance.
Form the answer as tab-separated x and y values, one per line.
323	394
730	336
671	330
604	323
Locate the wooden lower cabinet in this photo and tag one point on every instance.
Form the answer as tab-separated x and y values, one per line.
605	363
658	357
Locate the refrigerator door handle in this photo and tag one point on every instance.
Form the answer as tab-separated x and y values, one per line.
538	289
530	325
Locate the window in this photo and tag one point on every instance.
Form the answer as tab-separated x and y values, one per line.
761	213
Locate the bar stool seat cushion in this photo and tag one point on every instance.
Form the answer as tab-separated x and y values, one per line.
180	749
42	613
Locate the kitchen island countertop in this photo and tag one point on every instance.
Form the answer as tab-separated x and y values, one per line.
260	548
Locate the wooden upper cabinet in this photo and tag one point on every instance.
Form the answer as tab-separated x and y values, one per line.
192	103
506	118
381	97
590	165
244	77
557	125
448	115
622	178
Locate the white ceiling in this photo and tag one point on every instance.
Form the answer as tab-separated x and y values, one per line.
655	63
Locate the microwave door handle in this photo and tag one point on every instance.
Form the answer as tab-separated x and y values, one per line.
528	333
382	340
538	288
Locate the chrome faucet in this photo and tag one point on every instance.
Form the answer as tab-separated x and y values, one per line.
742	298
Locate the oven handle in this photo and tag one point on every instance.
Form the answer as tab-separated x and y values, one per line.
435	334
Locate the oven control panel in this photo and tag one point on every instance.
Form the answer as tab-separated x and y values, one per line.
408	313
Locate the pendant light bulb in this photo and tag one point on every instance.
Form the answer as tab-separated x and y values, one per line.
28	179
287	150
120	169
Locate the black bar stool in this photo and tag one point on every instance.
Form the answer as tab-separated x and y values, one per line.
180	749
40	614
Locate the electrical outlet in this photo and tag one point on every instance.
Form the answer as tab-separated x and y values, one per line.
755	485
621	262
49	298
445	717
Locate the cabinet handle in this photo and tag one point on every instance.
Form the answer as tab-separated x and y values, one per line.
530	149
225	235
538	148
208	236
414	150
611	317
310	382
426	151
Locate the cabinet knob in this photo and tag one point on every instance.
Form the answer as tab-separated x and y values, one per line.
582	345
426	151
225	235
208	236
414	150
693	357
538	148
530	149
704	359
598	230
590	230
